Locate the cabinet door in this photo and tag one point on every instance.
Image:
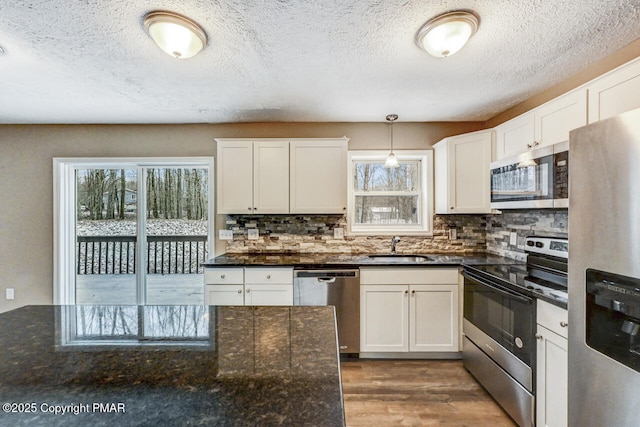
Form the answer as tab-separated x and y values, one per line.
268	294
433	320
513	136
384	318
554	120
318	176
224	295
615	93
551	379
270	177
467	184
234	164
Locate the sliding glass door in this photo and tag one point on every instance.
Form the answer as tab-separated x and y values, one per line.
132	231
176	234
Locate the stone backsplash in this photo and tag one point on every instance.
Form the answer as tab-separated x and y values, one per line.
534	222
475	234
314	233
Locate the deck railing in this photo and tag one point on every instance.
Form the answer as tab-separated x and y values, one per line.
117	254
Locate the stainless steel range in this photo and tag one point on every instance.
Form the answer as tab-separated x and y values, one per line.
499	323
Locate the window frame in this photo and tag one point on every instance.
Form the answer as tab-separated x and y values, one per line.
425	204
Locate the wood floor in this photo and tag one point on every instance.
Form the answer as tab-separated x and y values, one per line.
416	393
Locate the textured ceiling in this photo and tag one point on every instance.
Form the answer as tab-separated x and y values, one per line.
90	61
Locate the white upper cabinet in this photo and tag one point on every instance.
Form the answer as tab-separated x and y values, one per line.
253	176
512	137
274	176
270	177
555	119
235	177
318	172
462	173
546	125
615	92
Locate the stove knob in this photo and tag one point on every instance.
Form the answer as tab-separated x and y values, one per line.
530	243
539	245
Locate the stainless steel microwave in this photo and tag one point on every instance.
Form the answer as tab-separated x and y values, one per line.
536	179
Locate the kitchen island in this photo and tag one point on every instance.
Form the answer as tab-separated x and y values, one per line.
169	365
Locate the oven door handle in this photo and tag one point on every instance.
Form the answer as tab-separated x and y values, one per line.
497	288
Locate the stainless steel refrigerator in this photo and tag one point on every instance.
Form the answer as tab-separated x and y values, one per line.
604	273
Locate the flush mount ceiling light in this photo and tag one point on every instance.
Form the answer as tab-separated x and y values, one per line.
446	34
392	161
176	35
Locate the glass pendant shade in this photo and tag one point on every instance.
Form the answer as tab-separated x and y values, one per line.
446	34
175	35
392	161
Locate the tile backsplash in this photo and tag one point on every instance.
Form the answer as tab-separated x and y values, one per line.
534	222
474	234
314	233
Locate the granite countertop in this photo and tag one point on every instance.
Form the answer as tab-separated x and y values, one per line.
341	260
169	365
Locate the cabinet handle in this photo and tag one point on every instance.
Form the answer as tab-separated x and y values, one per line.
344	208
239	291
564	324
248	290
538	337
452	208
406	292
413	293
249	208
222	276
268	276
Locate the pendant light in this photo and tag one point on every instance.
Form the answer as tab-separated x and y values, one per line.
176	35
392	161
446	34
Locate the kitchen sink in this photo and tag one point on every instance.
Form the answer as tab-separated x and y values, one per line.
401	258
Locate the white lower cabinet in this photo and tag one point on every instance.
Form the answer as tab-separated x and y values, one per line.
409	310
224	294
248	286
552	366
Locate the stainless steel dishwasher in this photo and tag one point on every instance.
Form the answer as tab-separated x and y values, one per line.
339	288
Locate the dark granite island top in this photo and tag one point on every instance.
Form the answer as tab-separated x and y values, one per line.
169	365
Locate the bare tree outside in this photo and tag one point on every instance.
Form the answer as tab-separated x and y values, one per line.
386	196
108	251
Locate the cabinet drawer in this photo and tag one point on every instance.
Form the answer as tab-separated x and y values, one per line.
223	276
408	276
552	318
269	275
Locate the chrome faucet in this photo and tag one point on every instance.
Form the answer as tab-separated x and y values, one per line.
394	242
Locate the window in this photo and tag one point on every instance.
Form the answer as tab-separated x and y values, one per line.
390	201
131	231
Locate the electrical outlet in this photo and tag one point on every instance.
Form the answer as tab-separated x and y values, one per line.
453	234
338	233
513	238
10	293
226	234
253	234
